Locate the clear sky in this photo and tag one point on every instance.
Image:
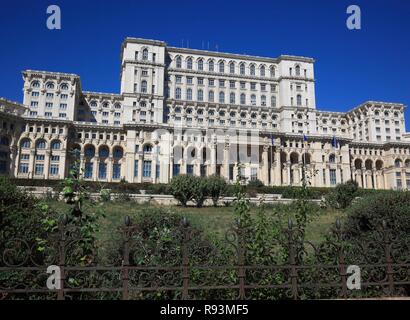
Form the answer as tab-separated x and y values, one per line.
351	66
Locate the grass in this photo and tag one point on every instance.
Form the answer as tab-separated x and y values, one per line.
214	221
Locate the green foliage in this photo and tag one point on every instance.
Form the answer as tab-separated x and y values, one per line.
182	188
343	195
199	191
255	184
216	187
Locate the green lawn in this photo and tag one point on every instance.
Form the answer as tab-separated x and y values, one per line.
214	221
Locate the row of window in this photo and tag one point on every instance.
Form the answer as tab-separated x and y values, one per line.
49	85
34	104
49	95
47	114
40	144
39	169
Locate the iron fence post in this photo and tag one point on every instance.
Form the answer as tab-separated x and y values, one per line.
292	261
185	260
342	262
241	260
389	261
61	256
126	259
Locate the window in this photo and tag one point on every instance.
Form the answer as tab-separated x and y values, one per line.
232	98
88	172
145	54
39	169
144	86
298	100
221	67
189	94
211	96
333	177
178	62
178	79
64	86
272	72
297	70
157	170
243	98
232	68
253	100
54	170
254	174
242	69
23	168
135	168
147	149
200	64
189	80
48	114
189	63
252	70
35	84
176	169
41	144
211	65
178	93
35	94
116	171
63	106
200	95
262	71
146	169
50	85
263	100
56	145
190	169
102	170
221	97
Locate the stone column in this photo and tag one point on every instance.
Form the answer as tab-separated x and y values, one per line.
225	171
140	167
277	177
265	166
213	158
95	167
31	164
17	163
47	164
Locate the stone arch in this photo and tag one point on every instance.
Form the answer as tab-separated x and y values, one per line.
358	164
368	164
294	158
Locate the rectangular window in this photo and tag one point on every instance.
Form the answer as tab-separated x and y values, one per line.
23	168
88	172
231	167
333	177
176	169
190	169
116	171
324	176
102	171
39	169
54	169
203	170
146	169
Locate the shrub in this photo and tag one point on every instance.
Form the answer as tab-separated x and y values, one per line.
182	187
216	187
255	184
200	191
343	195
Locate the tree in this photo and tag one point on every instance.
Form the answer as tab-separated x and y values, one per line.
182	187
216	187
343	195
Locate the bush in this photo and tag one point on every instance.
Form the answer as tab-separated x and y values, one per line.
216	187
182	187
343	195
255	184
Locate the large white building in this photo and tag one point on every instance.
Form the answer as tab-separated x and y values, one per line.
186	111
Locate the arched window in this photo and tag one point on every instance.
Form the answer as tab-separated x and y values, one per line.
200	95
262	71
41	144
50	85
118	153
25	143
272	72
189	63
200	64
297	70
178	93
35	84
64	86
298	100
263	100
56	145
242	69
397	163
273	101
103	152
189	94
232	68
147	149
93	104
144	86
332	158
211	65
178	62
253	100
221	97
89	151
221	67
252	70
145	54
232	98
211	96
243	98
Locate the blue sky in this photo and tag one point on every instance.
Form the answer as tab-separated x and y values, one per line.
351	66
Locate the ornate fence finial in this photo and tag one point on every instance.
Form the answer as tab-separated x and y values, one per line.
384	224
127	221
64	220
338	224
290	223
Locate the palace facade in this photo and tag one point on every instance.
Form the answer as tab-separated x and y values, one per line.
187	111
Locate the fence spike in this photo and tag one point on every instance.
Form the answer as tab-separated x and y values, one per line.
338	224
127	220
64	219
290	223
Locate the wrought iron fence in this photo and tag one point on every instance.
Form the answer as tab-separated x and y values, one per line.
186	265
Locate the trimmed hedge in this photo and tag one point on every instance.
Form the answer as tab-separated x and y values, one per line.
288	192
